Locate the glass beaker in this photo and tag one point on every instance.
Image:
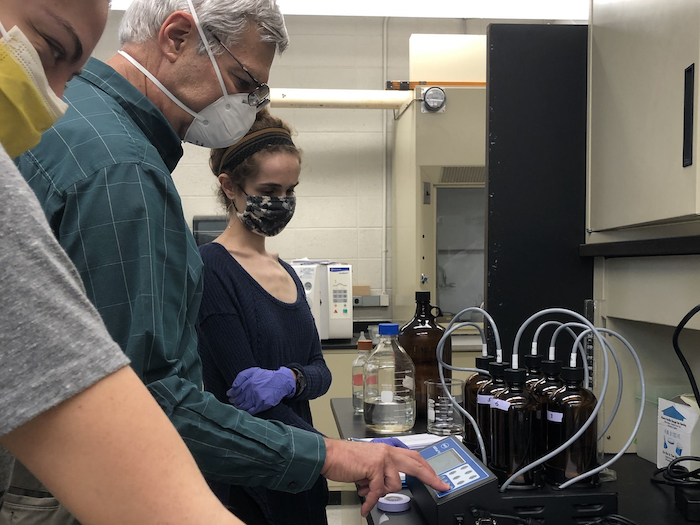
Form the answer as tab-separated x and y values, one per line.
444	419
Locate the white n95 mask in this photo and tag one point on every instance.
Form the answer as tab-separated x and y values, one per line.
222	123
219	125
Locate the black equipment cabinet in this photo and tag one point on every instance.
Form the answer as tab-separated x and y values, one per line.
536	173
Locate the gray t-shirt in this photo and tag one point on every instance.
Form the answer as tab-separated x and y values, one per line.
53	343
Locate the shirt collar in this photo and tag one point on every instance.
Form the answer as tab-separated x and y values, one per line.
142	111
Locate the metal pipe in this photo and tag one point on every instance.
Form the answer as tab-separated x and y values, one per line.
385	153
338	98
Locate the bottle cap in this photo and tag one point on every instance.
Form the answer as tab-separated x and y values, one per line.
423	296
552	367
515	375
532	361
497	369
572	374
388	329
364	344
483	361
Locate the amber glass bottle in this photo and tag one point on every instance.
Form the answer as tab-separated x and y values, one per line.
420	337
567	411
483	403
513	416
543	390
471	390
533	365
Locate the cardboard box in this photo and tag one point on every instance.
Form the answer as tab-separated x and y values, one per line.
361	289
678	432
648	430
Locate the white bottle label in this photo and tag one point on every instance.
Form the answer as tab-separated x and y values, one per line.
387	396
500	404
408	382
431	414
555	417
483	400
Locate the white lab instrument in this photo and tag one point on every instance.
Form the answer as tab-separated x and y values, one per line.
328	287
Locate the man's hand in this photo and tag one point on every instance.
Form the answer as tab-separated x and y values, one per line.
375	468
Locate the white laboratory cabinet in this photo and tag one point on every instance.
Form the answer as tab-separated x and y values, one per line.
640	136
638	188
641	52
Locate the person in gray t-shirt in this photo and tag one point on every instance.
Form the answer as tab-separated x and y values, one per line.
71	409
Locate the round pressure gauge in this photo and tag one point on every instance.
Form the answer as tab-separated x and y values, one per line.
434	98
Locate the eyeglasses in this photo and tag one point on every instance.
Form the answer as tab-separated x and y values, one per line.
260	96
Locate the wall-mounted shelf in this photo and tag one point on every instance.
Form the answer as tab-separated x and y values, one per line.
644	248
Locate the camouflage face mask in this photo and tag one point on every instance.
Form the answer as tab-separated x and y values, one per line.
266	215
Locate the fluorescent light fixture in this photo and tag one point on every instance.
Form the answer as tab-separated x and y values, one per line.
510	9
496	9
119	5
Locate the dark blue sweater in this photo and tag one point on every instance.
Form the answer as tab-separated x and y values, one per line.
241	325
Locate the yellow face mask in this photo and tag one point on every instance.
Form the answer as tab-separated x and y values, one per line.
28	105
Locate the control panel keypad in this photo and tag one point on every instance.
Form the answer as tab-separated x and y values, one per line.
459	477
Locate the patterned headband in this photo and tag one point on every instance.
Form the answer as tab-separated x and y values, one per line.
252	143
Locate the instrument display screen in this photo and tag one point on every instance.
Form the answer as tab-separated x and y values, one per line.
445	461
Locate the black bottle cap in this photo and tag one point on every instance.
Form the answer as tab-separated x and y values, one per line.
569	373
482	362
532	361
423	296
551	367
515	375
498	369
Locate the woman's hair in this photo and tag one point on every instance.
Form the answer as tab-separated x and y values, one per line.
249	167
227	19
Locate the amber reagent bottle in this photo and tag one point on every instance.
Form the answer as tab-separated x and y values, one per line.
420	337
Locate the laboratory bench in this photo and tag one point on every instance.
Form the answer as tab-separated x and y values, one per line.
639	500
465	339
339	344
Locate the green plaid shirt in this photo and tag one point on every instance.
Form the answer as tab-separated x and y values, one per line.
102	175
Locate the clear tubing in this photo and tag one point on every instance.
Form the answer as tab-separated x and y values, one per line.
582	351
496	335
594	414
619	392
484	346
533	348
618	365
442	366
639	416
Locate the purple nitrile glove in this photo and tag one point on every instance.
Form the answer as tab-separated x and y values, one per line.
256	389
394	442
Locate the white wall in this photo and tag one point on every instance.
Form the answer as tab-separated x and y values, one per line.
339	210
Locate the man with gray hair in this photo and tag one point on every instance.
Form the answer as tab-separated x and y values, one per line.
192	70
